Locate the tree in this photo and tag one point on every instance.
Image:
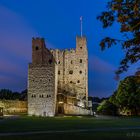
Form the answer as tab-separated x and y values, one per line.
9	95
128	94
127	14
23	95
107	108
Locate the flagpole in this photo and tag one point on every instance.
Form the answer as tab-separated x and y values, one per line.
81	21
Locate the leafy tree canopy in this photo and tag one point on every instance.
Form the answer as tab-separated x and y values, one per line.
127	14
9	95
128	94
107	108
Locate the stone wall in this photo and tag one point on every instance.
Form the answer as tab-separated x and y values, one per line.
13	106
57	71
42	81
73	69
75	110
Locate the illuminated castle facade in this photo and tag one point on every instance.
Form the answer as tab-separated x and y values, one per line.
58	80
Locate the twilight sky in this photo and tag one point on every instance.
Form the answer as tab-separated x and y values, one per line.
58	22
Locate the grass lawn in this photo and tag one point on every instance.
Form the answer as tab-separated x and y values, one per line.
26	124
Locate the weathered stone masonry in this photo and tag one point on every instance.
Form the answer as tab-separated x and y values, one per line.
58	80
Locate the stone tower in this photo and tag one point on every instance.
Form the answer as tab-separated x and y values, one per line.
42	82
58	80
82	66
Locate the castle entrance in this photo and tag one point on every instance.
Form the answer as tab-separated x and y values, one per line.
60	104
1	111
60	110
44	114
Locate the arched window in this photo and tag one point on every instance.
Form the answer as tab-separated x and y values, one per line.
50	61
71	62
78	81
81	47
59	72
71	82
71	72
36	48
80	60
80	72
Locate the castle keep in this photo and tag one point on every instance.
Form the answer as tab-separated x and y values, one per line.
58	80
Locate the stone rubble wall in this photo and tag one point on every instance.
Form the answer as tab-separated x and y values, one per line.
41	91
75	110
13	106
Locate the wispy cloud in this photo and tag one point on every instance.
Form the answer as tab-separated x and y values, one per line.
15	49
97	64
15	33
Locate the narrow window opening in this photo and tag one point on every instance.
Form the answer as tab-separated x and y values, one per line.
71	72
50	61
78	81
59	72
80	72
36	48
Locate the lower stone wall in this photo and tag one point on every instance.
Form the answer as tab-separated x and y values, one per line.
75	110
13	106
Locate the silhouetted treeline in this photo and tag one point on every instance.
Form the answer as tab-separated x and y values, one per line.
97	99
10	95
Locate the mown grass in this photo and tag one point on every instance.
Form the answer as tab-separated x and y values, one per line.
25	124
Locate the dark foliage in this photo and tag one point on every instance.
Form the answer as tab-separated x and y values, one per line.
127	14
127	96
9	95
107	108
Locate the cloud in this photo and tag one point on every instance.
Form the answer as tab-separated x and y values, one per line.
97	64
101	73
15	33
15	49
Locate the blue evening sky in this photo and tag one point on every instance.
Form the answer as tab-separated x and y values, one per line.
58	21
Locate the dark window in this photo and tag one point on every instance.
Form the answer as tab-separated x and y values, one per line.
59	72
71	72
80	60
36	48
71	62
49	80
71	82
50	61
78	81
40	96
81	47
33	96
80	72
58	62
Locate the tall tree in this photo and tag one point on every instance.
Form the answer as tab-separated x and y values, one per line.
128	94
127	14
